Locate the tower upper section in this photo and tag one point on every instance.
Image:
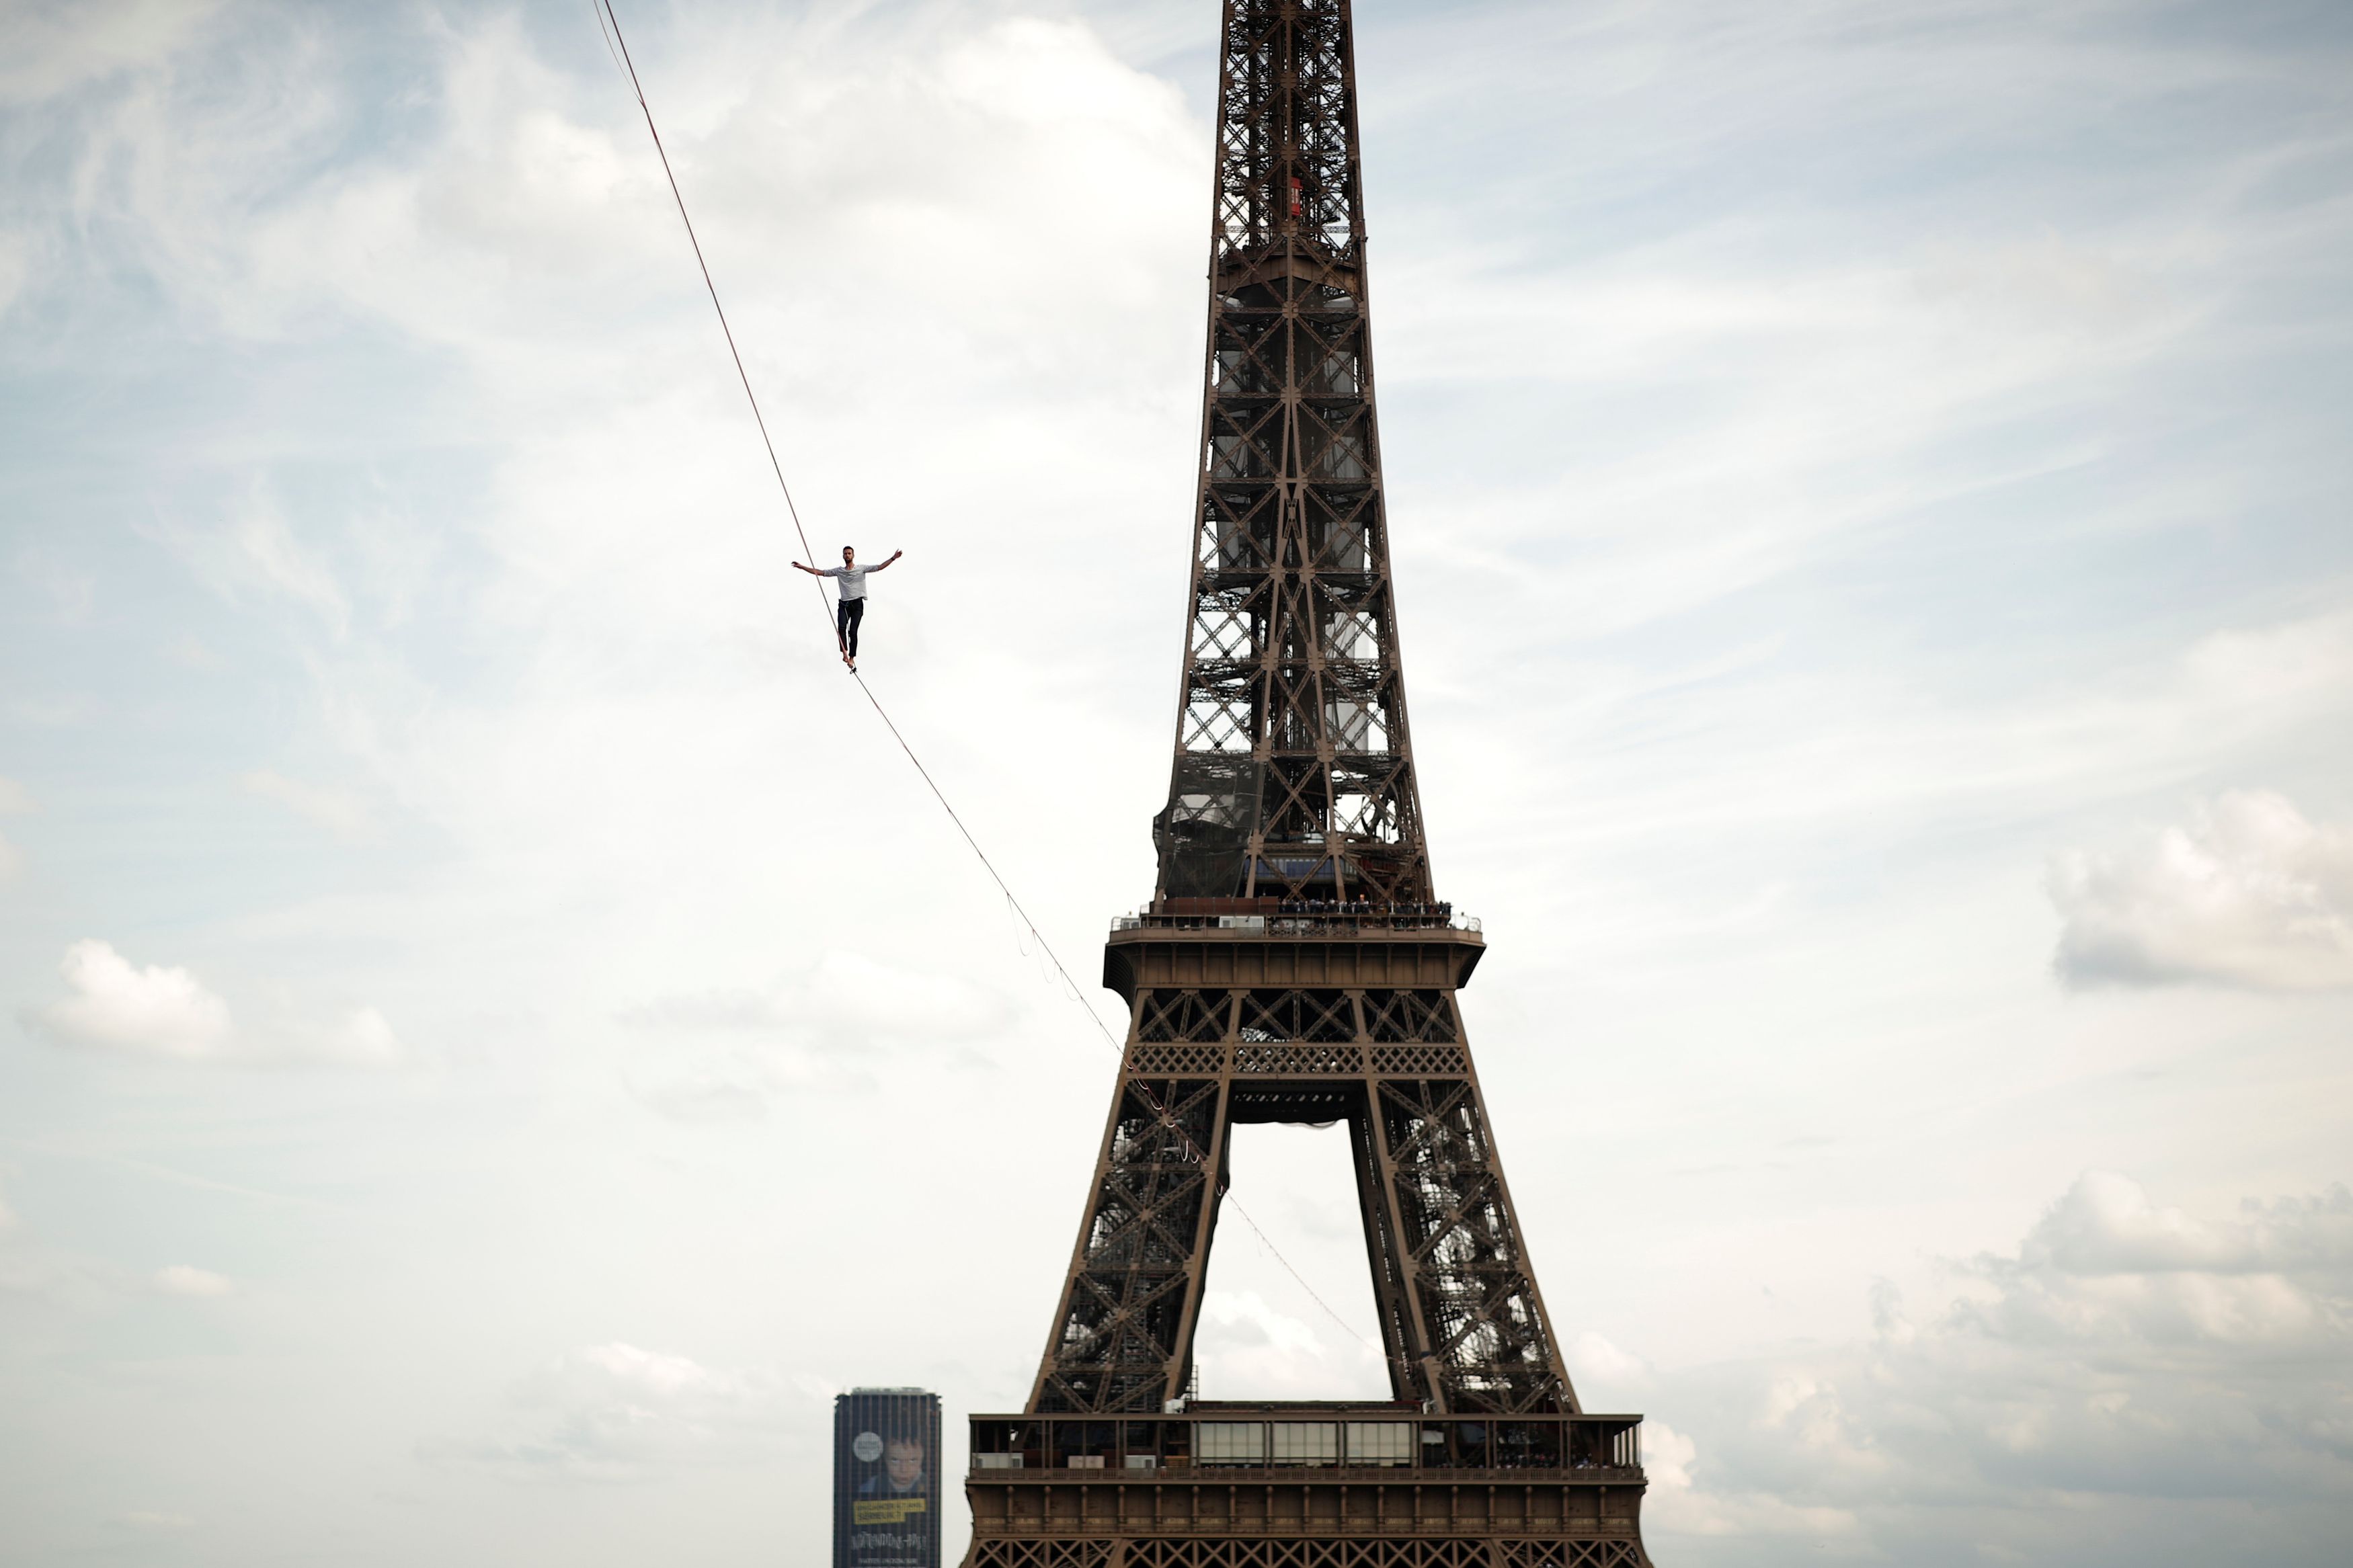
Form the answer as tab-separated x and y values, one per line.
1293	774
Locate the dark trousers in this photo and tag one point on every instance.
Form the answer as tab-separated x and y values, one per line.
847	614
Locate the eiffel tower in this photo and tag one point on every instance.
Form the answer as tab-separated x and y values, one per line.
1296	965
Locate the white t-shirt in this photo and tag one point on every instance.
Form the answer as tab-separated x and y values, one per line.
853	579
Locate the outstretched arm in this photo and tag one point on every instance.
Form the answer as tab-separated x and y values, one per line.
894	555
811	570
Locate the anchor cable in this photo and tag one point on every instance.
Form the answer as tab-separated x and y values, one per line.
606	15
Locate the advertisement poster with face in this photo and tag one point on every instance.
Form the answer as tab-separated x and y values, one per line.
886	1446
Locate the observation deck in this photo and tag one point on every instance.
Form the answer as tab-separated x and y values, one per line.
1289	943
1321	1468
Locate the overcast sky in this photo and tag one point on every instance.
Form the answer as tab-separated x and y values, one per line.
493	1034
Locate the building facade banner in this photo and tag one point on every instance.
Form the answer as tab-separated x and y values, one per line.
886	1478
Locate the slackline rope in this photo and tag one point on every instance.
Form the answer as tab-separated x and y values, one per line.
614	40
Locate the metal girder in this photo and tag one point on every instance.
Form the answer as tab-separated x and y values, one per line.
1462	1326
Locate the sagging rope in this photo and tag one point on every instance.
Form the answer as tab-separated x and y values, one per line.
618	45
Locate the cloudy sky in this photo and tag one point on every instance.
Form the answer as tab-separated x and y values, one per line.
493	1034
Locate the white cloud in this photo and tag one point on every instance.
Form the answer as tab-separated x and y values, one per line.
54	48
1678	1504
844	998
155	1011
166	1012
360	1037
339	811
12	859
271	551
245	548
710	1093
2127	1353
2107	1267
650	1372
183	1280
1594	1362
2248	893
2106	1224
70	589
1248	1346
1248	1321
618	1412
819	1027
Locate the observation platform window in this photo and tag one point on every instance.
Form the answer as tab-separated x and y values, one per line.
1155	1444
1006	1445
1617	1444
1230	1443
1460	1445
1527	1444
1084	1445
1307	1443
1384	1443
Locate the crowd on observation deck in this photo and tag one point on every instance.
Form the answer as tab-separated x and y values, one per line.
1366	907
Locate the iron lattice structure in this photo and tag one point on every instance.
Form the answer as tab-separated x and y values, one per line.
1294	767
1294	965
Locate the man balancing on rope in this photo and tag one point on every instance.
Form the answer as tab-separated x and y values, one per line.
852	607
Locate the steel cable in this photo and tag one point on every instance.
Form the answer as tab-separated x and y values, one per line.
606	16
